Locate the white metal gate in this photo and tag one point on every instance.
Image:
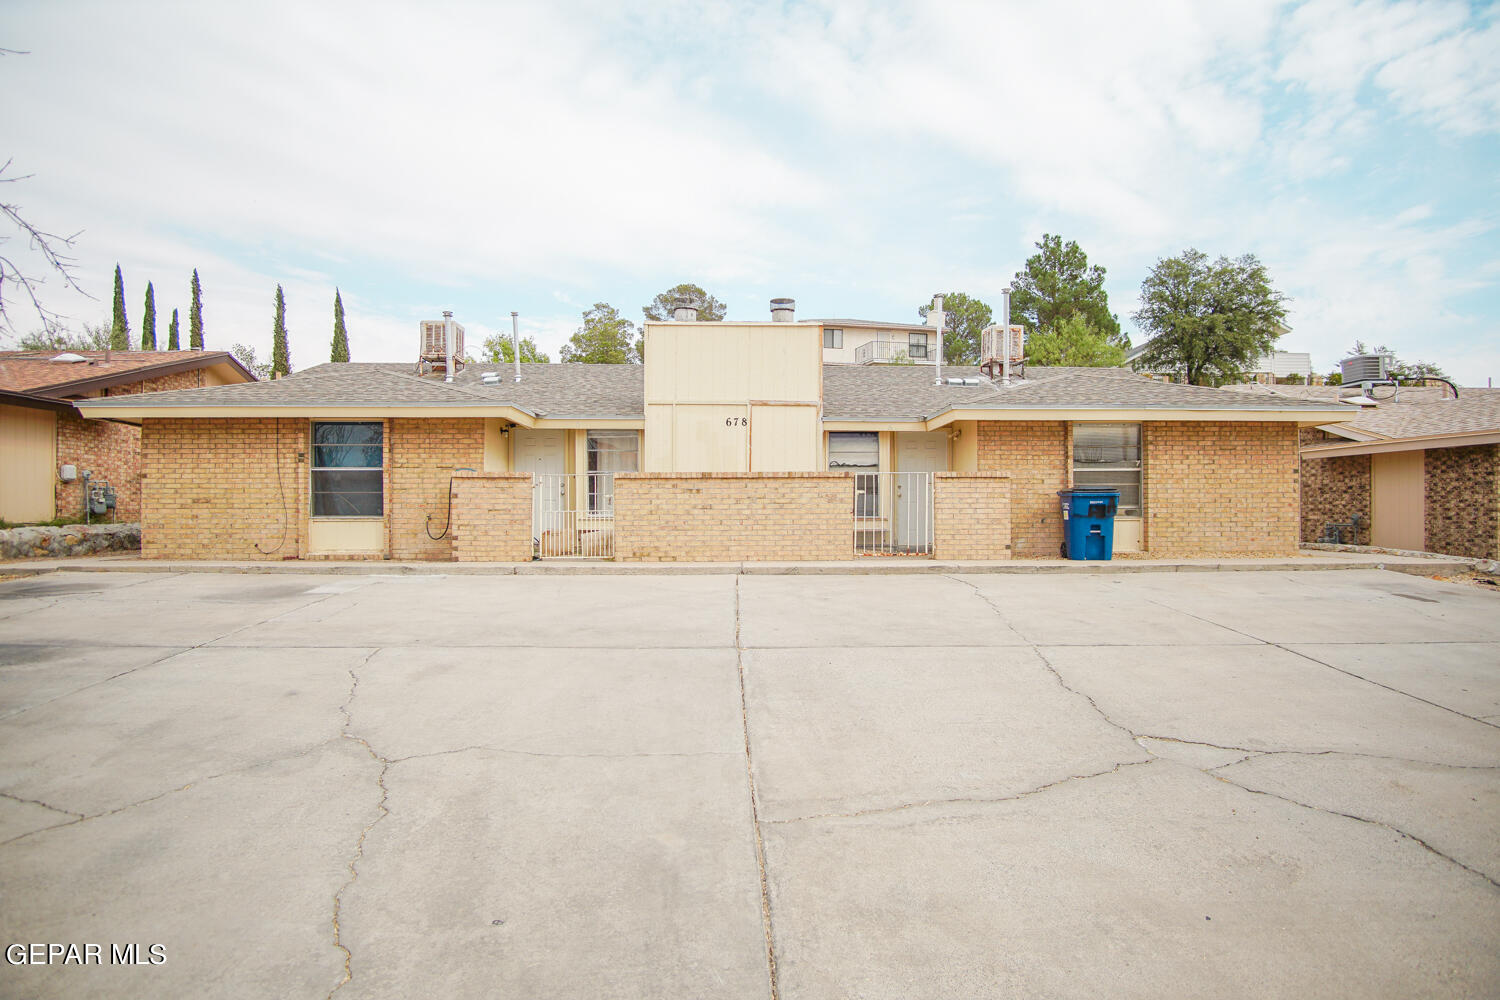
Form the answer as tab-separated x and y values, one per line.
573	515
893	513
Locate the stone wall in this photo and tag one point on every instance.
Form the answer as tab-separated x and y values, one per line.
1221	488
971	515
492	517
1462	501
69	540
727	517
1336	489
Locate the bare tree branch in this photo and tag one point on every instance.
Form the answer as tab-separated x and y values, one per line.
54	250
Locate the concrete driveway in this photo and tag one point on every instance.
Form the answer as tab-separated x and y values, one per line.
1145	785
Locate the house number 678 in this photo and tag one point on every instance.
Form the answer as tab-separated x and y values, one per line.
736	421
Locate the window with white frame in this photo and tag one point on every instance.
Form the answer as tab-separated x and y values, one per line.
858	452
347	470
610	452
916	345
1108	457
833	339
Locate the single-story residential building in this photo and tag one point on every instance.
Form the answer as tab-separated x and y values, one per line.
1418	467
42	436
733	441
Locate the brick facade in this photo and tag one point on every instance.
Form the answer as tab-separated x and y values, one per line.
1035	455
111	451
492	517
221	489
971	515
726	517
1221	487
1462	501
1334	490
422	457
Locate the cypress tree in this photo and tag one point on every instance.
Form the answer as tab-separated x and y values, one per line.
119	327
281	358
172	343
148	321
340	335
195	316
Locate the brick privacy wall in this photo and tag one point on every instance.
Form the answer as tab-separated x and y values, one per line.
1034	453
492	517
421	457
971	515
210	488
723	517
111	451
1221	487
1335	489
1462	501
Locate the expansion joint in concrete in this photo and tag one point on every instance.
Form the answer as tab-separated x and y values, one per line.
767	924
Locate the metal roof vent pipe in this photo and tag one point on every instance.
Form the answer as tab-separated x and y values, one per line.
685	310
515	342
448	345
937	319
783	310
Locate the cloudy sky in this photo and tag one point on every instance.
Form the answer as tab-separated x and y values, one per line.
856	156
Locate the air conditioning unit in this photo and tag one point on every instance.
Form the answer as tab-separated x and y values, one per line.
1365	368
994	345
432	346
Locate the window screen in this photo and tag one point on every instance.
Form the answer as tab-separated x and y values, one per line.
610	452
833	338
858	452
1108	456
347	470
916	345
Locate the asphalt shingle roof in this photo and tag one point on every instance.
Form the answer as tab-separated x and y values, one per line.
1411	411
851	392
31	371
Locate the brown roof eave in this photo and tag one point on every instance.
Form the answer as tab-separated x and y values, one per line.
33	401
143	372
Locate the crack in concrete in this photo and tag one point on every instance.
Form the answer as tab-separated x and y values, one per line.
767	924
359	845
1325	663
1358	819
77	816
964	800
87	817
1253	752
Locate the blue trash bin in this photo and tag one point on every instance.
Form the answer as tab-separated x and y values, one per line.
1089	523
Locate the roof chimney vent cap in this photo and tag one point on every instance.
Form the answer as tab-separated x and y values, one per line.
783	310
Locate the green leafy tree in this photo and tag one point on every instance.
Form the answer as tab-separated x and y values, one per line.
281	355
1402	372
963	319
498	350
195	316
340	350
1059	282
148	321
1210	320
60	338
1073	342
710	309
173	343
119	327
606	338
245	355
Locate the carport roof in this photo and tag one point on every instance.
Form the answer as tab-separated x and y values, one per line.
852	393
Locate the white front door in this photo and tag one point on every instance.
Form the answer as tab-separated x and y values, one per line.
918	455
541	454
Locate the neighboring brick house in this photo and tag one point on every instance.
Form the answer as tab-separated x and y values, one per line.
1418	467
41	431
733	441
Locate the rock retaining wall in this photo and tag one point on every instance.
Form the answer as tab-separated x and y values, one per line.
70	540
